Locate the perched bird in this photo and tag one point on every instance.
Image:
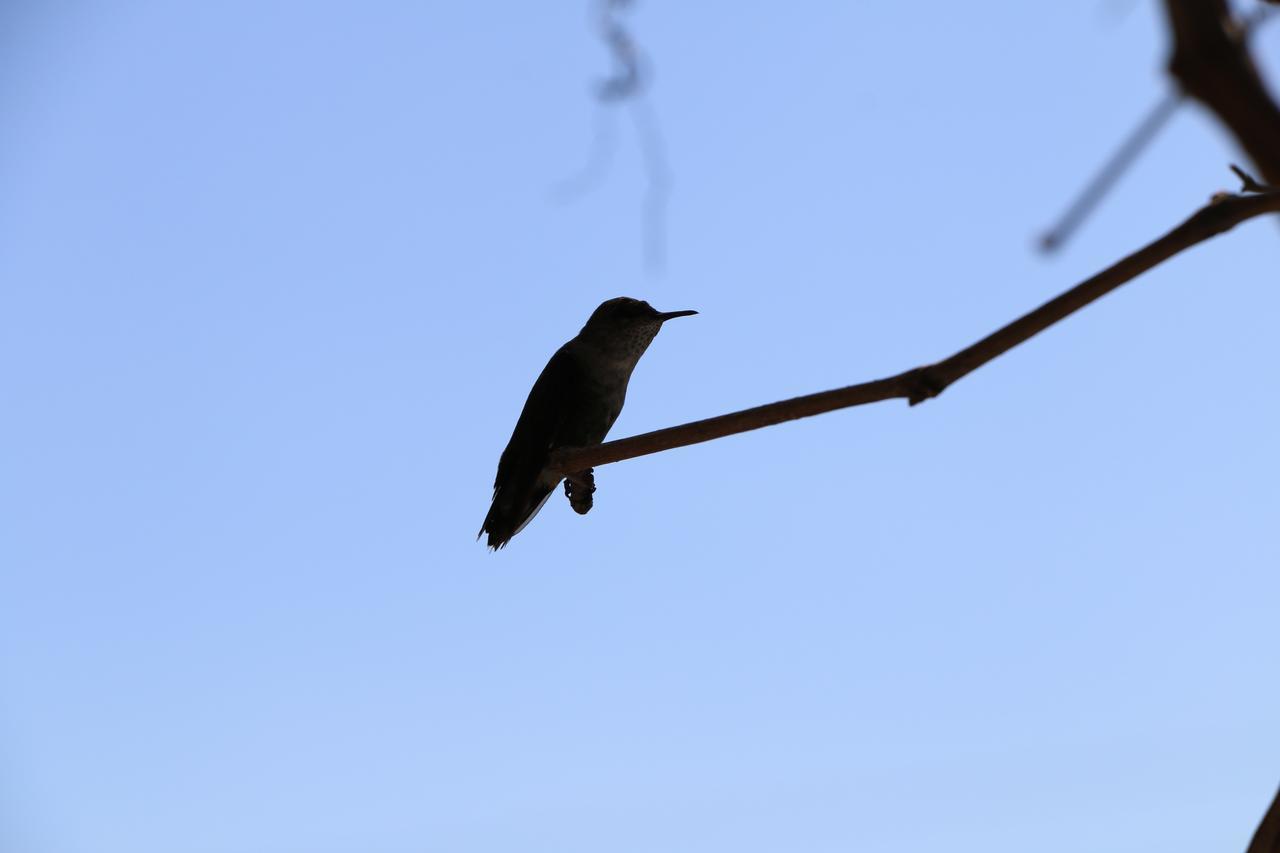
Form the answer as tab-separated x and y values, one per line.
573	404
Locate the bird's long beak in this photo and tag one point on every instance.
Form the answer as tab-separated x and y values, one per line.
669	315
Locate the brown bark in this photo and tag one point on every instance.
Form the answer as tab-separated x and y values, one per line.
1212	64
1267	838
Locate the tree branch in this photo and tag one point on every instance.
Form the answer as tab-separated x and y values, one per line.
1212	64
1211	82
1267	838
1222	213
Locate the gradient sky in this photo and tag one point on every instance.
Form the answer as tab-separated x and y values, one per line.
275	279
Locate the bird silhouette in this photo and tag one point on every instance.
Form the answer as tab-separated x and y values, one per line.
573	404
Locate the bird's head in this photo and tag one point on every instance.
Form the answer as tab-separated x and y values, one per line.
625	326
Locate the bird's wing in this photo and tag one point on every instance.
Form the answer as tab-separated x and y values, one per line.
542	419
519	490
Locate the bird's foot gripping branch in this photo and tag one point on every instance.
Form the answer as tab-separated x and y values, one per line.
578	488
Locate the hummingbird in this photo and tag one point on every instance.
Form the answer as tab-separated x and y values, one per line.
573	404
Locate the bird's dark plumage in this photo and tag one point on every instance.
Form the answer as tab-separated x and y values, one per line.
519	491
573	404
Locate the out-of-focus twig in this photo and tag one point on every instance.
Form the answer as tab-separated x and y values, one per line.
1111	172
1132	147
627	85
604	141
626	80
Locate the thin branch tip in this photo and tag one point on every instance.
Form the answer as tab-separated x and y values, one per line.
1248	183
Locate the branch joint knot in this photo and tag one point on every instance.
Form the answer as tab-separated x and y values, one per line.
923	384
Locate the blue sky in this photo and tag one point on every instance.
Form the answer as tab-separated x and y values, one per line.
276	278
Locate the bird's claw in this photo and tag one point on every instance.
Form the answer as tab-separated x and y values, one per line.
578	488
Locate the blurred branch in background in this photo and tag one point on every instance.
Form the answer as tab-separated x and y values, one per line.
626	86
626	80
1202	31
1111	172
1223	212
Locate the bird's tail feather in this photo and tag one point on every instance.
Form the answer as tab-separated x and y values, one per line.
509	512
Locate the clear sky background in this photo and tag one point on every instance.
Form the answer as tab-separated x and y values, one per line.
275	279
